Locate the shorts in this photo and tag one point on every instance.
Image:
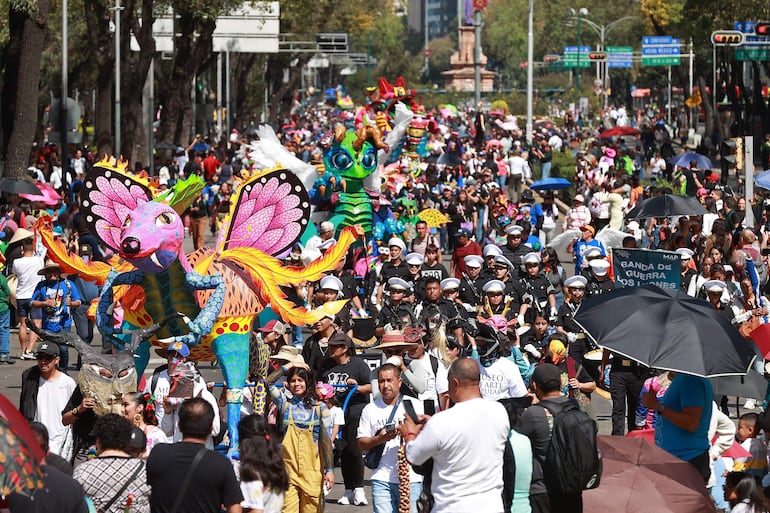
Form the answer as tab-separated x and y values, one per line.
25	309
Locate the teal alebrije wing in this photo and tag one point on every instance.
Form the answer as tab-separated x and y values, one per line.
182	195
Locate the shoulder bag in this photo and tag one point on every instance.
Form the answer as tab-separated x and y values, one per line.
373	456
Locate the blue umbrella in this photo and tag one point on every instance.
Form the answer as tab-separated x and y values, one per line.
763	180
683	160
551	184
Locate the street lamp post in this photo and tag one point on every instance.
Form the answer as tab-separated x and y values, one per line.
582	12
601	31
530	71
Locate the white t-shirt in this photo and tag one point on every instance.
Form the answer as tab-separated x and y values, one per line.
25	269
52	398
373	418
466	443
501	380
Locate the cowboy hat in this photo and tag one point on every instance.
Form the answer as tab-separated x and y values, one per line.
393	340
50	265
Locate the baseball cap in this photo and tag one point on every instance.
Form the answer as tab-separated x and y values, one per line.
547	376
49	349
340	339
274	326
588	228
179	347
326	226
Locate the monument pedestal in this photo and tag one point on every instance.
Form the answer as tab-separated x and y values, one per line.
462	75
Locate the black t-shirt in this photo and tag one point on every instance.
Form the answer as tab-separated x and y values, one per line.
61	494
84	425
213	482
535	426
338	374
436	270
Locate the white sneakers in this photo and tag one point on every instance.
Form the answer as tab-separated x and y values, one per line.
359	497
346	499
356	497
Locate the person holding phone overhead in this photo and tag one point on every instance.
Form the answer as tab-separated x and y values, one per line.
378	426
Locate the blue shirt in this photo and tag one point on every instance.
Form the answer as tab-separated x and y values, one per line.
685	391
580	248
61	317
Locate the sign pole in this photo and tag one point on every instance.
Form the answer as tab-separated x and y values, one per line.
748	166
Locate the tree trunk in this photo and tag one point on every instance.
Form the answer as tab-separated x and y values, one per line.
133	78
282	97
24	116
708	109
192	55
241	67
103	43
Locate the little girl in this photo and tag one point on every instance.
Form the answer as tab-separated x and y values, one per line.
336	416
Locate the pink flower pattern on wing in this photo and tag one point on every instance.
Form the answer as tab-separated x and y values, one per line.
267	217
112	201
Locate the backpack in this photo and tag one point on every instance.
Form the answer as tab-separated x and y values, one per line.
573	461
595	205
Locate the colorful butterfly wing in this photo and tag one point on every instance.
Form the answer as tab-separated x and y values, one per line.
107	196
269	213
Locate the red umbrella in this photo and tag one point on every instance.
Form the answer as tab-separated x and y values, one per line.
735	451
618	131
48	194
20	471
639	477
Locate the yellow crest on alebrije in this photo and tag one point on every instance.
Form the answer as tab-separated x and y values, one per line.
109	162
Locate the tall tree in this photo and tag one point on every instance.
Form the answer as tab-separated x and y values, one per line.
28	20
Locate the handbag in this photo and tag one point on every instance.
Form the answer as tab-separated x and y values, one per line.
373	456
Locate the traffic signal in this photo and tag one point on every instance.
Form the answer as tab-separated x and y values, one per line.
762	28
551	58
727	38
597	56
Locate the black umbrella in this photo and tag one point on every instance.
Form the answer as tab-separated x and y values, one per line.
19	186
666	329
665	206
752	386
448	159
165	146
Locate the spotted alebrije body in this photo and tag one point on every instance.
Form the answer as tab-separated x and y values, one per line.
231	283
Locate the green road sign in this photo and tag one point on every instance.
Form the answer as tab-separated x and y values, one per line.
620	49
663	60
752	54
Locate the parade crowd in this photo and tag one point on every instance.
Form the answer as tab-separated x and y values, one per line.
453	366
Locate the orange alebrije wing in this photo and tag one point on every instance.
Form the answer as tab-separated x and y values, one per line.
73	264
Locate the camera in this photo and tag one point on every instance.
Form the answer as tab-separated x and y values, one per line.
390	427
49	311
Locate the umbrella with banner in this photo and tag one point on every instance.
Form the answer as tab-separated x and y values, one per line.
639	477
684	159
667	330
666	205
18	186
551	184
618	131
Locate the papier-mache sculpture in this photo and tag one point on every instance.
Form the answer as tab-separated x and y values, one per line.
218	291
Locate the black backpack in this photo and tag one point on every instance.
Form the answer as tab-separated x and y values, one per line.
573	461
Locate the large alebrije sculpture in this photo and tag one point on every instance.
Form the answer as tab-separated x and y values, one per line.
349	158
219	291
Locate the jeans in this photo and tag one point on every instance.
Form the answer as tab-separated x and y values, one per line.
5	332
385	497
64	352
296	336
545	170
